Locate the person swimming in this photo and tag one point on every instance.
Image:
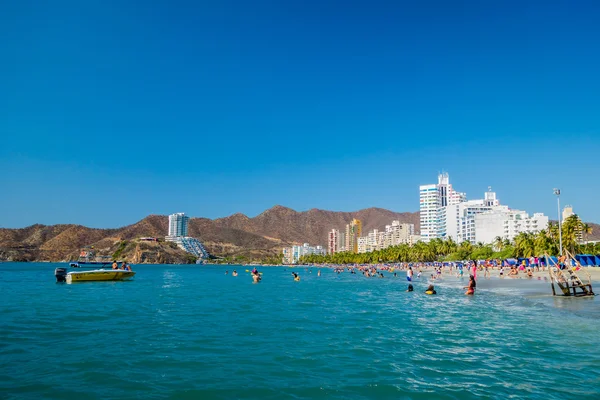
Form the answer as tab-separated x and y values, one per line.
410	288
471	287
296	276
234	273
256	275
430	290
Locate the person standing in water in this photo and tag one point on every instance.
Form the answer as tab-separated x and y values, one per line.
409	274
471	287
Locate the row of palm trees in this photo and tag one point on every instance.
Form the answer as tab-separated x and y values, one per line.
524	245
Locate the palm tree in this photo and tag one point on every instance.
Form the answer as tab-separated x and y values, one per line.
498	243
452	246
571	227
543	244
524	245
586	229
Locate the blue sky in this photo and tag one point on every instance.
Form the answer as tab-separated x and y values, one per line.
110	111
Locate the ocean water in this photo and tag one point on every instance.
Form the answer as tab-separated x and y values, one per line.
192	332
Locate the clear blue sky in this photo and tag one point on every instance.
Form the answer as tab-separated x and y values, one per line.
110	111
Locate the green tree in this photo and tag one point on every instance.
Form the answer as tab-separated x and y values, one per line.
524	245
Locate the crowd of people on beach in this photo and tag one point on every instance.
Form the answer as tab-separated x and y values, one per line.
415	271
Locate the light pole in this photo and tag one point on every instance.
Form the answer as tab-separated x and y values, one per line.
557	193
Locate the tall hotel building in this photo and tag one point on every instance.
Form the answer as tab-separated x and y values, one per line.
178	225
332	241
447	214
353	232
433	199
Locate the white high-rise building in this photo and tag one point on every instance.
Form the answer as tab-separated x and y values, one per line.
394	234
291	255
178	233
178	225
567	212
447	214
341	243
398	233
433	199
484	220
460	219
361	244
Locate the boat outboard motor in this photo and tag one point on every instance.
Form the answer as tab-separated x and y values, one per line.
60	274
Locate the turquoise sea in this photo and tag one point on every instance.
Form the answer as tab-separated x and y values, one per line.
192	332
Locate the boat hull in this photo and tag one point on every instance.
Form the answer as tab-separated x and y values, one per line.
99	275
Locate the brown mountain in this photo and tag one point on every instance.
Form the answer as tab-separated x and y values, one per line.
311	226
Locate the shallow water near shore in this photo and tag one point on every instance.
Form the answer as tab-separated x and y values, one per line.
192	332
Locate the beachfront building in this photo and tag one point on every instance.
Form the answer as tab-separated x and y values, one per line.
567	212
291	255
398	233
394	235
433	199
445	213
178	234
460	220
362	244
414	239
333	241
341	242
506	224
484	220
353	232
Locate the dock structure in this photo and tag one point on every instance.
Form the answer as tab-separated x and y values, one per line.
564	273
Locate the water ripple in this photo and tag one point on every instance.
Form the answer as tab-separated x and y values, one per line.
187	332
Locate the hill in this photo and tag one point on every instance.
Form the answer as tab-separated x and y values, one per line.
311	226
258	237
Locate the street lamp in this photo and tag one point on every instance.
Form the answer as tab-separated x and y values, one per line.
557	193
